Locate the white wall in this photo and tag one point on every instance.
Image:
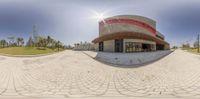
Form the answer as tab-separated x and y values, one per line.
109	46
146	20
114	28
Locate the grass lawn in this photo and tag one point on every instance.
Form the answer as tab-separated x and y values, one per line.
25	51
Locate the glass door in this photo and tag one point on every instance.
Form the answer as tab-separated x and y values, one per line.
119	45
100	46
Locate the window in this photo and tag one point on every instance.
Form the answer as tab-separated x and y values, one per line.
132	47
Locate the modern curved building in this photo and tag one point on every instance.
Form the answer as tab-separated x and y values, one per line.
129	33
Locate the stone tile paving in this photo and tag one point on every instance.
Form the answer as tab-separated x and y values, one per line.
73	74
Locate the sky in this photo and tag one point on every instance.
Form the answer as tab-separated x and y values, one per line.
73	21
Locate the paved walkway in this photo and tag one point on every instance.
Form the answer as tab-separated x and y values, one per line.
73	74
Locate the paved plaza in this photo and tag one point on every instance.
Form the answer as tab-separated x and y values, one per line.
74	74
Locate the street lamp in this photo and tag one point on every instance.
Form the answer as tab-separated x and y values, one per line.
198	43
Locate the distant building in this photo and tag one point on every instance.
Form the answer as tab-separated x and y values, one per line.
84	46
129	33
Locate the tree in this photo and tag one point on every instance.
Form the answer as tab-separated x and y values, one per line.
45	42
42	43
195	44
187	45
20	41
50	42
3	43
175	47
49	39
59	45
11	41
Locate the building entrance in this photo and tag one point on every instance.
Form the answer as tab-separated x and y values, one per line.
119	45
100	46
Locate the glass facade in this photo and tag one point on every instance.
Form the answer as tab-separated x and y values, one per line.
129	46
138	47
132	47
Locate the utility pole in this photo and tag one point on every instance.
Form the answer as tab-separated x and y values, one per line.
198	43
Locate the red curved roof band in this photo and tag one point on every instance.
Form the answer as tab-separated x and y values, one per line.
129	21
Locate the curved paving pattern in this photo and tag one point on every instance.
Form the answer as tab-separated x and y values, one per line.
74	74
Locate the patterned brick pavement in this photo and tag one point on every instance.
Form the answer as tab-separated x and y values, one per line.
72	74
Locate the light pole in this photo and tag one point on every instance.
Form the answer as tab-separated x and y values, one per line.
198	43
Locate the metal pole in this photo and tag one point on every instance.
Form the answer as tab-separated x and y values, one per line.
198	43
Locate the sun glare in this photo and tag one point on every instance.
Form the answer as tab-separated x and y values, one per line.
98	16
